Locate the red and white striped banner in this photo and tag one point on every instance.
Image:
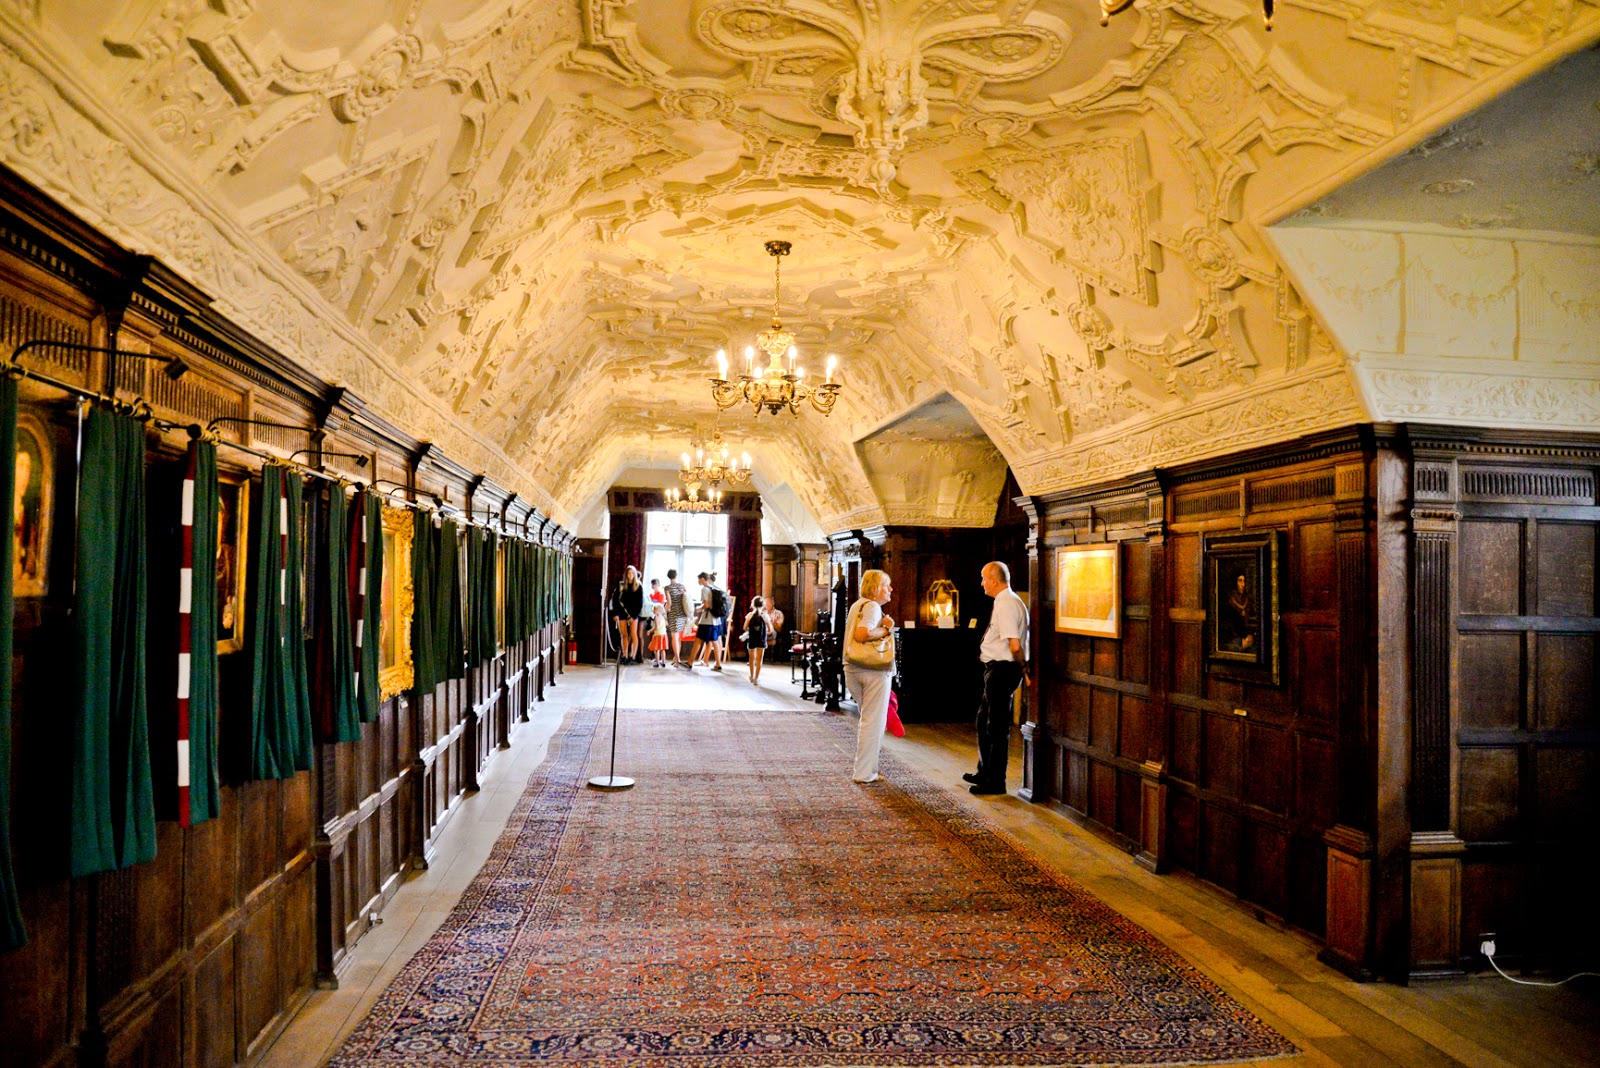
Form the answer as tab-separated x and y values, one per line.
358	581
185	629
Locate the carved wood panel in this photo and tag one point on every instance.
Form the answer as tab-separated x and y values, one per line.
1524	733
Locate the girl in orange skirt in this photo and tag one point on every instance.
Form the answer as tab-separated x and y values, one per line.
658	635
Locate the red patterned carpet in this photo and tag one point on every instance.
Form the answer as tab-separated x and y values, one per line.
747	904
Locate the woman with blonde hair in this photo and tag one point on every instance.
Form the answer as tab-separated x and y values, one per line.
627	606
868	667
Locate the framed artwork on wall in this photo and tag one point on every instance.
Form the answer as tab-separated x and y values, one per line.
233	553
33	508
1089	590
500	595
1241	603
395	671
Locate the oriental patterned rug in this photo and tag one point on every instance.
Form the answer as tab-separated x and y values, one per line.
748	905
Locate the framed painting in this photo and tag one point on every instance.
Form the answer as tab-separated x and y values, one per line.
395	672
1241	585
1089	590
233	552
32	509
500	594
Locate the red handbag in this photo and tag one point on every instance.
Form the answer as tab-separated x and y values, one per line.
893	724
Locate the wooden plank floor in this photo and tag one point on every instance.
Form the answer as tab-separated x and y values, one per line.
1483	1021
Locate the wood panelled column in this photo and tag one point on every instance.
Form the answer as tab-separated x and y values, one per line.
1436	850
1349	842
1391	760
1154	793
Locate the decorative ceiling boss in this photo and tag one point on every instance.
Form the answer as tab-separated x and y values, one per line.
773	387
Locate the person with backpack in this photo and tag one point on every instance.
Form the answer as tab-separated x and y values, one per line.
757	636
710	648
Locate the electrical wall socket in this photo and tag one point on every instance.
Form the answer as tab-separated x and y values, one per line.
1486	947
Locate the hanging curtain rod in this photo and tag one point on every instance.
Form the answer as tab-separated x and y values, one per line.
175	369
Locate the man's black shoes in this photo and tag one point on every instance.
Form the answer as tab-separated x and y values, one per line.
970	776
986	788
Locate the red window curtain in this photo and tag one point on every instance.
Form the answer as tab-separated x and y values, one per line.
744	564
627	547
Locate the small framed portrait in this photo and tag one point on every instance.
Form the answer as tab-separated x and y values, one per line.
395	672
32	508
1241	604
1089	590
500	594
233	550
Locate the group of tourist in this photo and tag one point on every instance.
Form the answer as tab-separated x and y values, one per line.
668	619
869	661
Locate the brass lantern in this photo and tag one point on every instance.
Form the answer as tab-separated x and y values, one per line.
942	606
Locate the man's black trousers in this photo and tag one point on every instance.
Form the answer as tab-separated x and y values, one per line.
1000	681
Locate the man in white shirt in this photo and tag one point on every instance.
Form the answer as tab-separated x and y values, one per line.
1004	653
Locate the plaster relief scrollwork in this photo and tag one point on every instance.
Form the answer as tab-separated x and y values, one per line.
1483	399
1088	396
380	79
1086	202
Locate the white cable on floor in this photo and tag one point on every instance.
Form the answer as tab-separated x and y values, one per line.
1537	982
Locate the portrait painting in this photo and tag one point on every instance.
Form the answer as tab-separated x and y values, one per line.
395	672
31	508
1089	590
500	594
1241	605
233	505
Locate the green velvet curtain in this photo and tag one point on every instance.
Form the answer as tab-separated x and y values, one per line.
538	588
113	823
547	585
335	711
370	512
437	641
513	593
12	933
280	715
204	796
481	546
452	643
424	616
298	685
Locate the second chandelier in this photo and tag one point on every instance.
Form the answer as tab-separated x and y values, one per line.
773	387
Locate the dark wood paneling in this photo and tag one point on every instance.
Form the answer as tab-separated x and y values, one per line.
199	956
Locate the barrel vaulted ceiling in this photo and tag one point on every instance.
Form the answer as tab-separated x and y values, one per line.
522	229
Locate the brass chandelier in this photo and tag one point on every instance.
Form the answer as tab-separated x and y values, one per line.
715	465
773	387
693	502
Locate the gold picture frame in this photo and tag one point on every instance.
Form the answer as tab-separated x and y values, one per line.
1089	590
1243	630
33	511
398	602
233	560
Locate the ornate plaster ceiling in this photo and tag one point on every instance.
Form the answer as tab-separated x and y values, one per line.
522	227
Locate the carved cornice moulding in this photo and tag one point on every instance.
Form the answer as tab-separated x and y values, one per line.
1264	416
1462	391
59	137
